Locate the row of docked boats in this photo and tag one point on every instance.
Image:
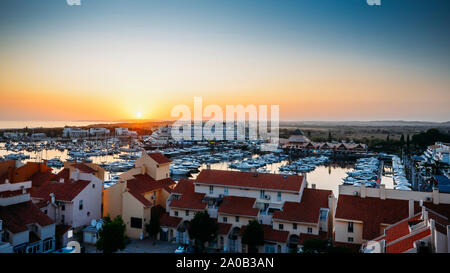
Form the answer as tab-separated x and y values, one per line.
303	165
399	177
366	172
258	163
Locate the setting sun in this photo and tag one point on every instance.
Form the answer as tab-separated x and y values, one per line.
139	115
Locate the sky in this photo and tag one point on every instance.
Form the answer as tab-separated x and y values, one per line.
316	59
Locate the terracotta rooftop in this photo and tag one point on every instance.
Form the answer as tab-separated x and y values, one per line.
305	236
306	211
251	180
238	206
189	198
407	242
273	235
143	183
159	158
373	212
16	217
66	191
223	228
169	221
83	168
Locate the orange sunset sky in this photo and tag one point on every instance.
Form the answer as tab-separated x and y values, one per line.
123	61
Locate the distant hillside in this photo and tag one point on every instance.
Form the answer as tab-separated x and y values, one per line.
381	123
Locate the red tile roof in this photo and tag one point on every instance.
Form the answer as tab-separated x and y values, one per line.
16	217
189	198
373	212
270	234
143	183
66	191
38	179
223	228
83	168
169	221
306	211
273	235
407	243
181	186
249	180
159	158
62	229
141	199
238	206
399	229
304	237
64	174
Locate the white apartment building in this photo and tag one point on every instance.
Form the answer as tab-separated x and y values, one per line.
72	198
23	227
283	205
98	131
75	132
364	214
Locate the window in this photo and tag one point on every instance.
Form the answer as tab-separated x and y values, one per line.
279	196
45	211
225	219
350	239
80	205
154	193
63	207
88	213
309	230
237	219
211	189
294	226
187	213
323	214
135	222
225	191
261	194
176	213
93	185
280	226
62	218
48	245
350	227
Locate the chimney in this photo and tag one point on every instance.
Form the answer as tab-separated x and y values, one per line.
61	180
382	191
208	167
363	190
24	190
75	174
52	198
410	208
6	181
313	186
436	196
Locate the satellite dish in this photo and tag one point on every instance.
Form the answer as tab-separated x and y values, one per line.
93	223
98	226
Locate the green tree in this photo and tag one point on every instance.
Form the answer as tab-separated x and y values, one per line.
154	227
111	235
329	137
202	229
407	141
402	140
253	236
